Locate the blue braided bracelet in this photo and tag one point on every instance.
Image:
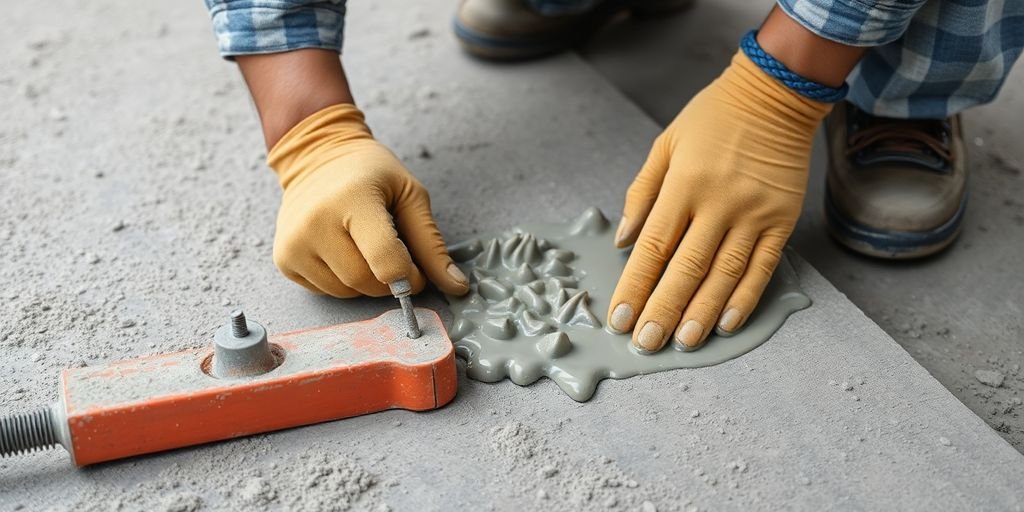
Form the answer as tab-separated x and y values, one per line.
780	72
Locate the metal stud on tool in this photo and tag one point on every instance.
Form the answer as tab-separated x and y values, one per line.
241	349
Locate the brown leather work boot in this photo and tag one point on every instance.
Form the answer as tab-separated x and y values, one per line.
896	188
514	30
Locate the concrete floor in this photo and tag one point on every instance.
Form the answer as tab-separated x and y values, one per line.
138	212
956	313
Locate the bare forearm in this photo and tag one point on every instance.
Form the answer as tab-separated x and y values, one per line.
804	52
289	87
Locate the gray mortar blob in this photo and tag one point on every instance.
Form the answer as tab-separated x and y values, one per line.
538	294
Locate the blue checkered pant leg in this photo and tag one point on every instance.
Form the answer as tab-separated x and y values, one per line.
246	27
928	59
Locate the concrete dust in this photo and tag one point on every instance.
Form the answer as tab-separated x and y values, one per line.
306	481
180	502
553	474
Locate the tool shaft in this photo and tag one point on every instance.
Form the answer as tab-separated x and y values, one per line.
410	317
402	290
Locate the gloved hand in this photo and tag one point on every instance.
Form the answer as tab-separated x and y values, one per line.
342	190
712	208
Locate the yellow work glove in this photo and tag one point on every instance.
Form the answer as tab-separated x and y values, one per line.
344	196
712	208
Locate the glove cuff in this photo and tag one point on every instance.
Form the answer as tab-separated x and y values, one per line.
762	94
326	128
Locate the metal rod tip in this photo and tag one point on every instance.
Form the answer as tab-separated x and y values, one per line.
239	328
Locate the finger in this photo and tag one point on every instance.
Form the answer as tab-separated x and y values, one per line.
298	279
642	194
657	242
763	260
683	275
317	273
703	310
374	234
418	229
345	261
296	263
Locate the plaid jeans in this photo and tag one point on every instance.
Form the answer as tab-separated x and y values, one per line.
928	58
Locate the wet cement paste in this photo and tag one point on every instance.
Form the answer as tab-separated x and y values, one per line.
537	305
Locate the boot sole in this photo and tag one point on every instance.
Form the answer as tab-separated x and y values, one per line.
492	47
506	49
891	245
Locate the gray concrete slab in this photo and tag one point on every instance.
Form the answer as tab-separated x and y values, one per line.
957	313
138	212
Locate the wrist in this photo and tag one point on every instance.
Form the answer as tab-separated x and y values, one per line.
781	73
806	53
292	86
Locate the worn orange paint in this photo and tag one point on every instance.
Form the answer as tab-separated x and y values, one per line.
111	431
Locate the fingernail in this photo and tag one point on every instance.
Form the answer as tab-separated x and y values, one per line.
622	315
651	336
456	273
730	320
620	233
690	335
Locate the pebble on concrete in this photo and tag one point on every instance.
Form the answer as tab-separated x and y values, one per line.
989	378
